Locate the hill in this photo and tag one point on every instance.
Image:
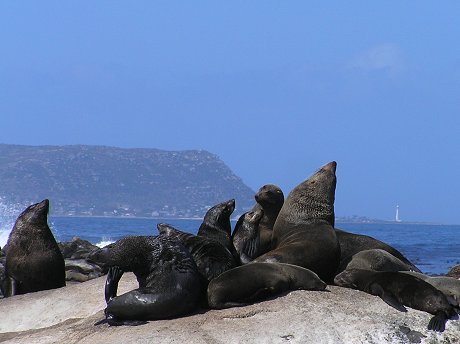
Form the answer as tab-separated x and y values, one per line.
110	181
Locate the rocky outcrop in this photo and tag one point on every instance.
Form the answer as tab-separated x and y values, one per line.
68	315
454	272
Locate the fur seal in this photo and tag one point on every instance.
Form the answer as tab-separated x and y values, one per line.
216	225
246	236
210	256
351	243
377	260
255	281
169	282
33	259
269	200
398	290
448	285
304	233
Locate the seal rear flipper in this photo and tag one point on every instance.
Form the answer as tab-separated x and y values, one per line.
388	298
251	248
438	322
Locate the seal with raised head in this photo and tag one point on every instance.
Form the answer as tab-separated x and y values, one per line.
304	233
211	257
216	224
377	260
399	289
257	281
33	259
246	236
351	243
169	282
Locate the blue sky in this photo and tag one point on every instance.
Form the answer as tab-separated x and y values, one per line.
274	88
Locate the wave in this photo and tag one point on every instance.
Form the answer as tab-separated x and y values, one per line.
104	242
9	212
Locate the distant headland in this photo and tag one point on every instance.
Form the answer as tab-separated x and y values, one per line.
83	180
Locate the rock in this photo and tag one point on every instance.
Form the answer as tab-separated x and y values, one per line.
454	272
338	316
78	267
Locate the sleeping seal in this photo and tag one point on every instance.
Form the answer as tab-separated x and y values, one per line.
256	281
398	289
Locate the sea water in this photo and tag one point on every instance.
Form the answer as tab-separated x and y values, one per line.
433	248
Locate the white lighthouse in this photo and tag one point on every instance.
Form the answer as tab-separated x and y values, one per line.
397	219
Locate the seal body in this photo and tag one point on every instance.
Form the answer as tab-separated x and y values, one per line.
169	282
211	257
216	225
33	259
449	286
377	260
398	290
303	233
351	243
270	199
246	236
255	281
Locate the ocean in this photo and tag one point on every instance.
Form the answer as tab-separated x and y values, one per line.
433	248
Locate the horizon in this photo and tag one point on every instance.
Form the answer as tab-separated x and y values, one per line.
275	90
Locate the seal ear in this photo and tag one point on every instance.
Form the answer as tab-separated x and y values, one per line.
388	298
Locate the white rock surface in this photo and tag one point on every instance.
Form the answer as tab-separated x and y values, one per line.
338	316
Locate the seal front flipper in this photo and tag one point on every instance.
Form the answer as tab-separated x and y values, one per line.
111	283
388	298
438	322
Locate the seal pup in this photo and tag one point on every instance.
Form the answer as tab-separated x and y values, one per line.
169	282
377	260
216	225
351	243
398	290
256	281
304	233
211	257
33	259
246	236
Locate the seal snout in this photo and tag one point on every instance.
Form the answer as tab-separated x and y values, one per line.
332	166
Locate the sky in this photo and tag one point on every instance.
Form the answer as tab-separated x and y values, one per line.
275	89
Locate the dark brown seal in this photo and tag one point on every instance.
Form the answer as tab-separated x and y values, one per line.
169	282
398	289
211	257
33	259
256	281
246	236
304	233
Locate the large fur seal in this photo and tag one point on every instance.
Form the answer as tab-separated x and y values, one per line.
304	233
377	260
33	259
255	281
246	236
169	282
216	225
210	256
398	289
351	243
